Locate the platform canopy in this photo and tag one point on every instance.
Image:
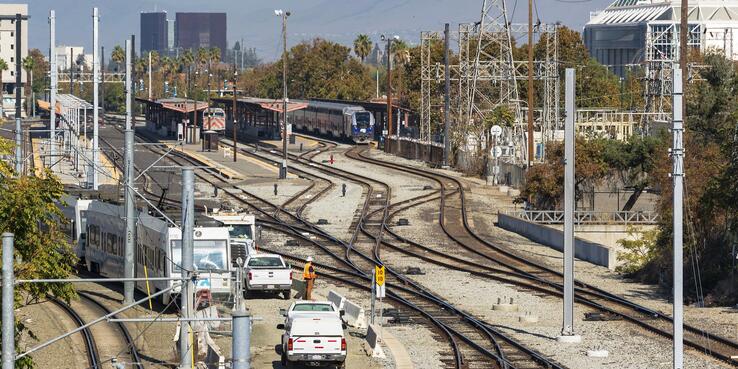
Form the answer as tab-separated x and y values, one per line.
265	104
176	104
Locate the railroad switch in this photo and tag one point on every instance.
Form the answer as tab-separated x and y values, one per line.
343	190
403	222
322	221
414	271
276	192
292	242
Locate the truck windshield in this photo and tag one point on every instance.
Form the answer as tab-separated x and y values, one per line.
241	231
313	307
209	254
265	262
363	119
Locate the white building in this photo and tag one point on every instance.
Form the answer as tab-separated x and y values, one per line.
8	50
630	32
68	55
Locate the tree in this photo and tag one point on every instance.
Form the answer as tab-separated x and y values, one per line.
3	68
118	56
28	209
28	63
203	57
186	60
362	46
214	54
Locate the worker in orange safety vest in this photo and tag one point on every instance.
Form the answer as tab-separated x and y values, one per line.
309	275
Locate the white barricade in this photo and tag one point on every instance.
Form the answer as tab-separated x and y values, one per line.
373	339
354	315
336	299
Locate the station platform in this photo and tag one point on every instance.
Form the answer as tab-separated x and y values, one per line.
65	169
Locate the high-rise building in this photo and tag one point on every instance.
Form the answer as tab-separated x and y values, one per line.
170	33
66	56
154	35
7	42
201	30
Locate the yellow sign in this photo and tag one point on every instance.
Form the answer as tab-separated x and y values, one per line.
379	275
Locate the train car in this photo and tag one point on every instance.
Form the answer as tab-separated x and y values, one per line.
335	119
158	251
217	120
75	213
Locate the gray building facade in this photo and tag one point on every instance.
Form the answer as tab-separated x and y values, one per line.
201	30
153	32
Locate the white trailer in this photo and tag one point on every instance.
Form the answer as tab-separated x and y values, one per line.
242	230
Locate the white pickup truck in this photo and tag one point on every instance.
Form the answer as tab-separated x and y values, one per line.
315	341
309	309
268	273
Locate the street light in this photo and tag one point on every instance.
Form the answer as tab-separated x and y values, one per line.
389	87
235	118
284	15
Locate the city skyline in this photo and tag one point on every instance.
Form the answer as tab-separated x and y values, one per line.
259	28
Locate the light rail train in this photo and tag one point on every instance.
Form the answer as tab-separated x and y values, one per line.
158	251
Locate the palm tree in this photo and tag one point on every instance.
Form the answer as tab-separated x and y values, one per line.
186	59
401	56
118	56
215	54
28	64
362	46
3	68
203	56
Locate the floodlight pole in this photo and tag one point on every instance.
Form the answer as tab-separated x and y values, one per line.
188	234
18	108
52	88
8	301
130	204
96	83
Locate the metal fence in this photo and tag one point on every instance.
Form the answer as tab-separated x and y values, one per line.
587	217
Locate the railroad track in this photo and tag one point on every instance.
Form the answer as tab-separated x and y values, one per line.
474	344
93	356
454	222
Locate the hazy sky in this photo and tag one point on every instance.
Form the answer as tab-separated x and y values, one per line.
255	22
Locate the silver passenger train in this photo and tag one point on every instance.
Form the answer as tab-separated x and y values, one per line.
335	119
158	251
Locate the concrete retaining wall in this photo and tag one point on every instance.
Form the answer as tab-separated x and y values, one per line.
299	286
592	252
373	340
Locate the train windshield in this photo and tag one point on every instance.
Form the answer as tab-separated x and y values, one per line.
363	119
240	232
209	254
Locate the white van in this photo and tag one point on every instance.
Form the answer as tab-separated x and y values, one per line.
315	341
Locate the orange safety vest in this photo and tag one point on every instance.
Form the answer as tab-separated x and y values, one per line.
309	271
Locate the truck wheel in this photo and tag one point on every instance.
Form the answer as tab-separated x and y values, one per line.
341	365
286	295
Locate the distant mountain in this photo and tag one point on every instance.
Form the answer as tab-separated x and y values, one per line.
255	22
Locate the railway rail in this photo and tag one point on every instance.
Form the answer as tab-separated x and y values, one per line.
475	344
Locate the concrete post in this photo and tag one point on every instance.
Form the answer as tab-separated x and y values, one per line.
677	154
188	233
241	340
8	324
18	96
52	93
567	331
95	97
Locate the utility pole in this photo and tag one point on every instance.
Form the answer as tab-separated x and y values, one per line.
102	82
209	111
677	155
389	94
150	94
235	116
684	46
130	202
530	83
188	242
18	108
95	103
52	88
567	331
8	301
284	14
447	95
